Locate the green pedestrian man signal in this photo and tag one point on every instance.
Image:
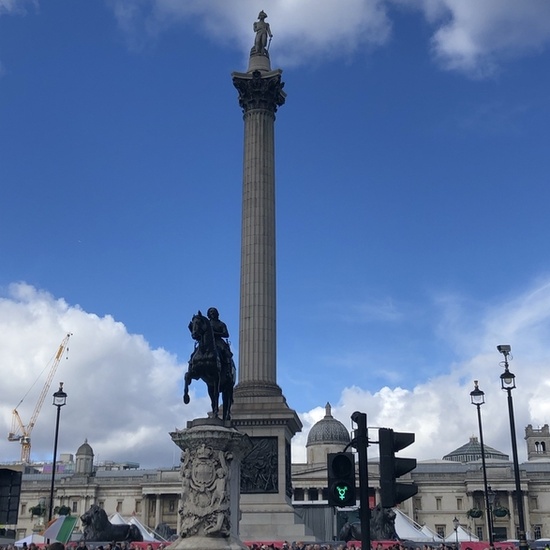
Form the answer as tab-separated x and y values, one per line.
341	479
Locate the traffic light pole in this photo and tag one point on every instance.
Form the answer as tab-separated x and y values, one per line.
361	444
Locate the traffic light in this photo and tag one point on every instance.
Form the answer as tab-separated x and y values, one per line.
391	467
341	479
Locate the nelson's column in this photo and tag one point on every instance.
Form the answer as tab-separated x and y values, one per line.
260	409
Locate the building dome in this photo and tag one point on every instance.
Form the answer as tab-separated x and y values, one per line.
85	450
84	459
328	431
472	451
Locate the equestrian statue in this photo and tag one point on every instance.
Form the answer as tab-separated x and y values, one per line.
211	361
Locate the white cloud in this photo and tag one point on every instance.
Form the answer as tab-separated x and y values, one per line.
478	35
303	31
13	6
469	36
123	396
438	410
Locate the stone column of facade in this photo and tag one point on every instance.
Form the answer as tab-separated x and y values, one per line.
210	485
158	503
260	409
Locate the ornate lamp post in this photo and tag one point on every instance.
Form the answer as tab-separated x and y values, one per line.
456	524
477	398
59	400
508	383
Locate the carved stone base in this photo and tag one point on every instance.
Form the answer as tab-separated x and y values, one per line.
210	472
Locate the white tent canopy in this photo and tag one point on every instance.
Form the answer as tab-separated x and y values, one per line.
33	537
147	535
117	519
431	534
408	529
463	535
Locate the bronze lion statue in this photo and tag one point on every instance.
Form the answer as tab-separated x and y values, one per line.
382	526
97	527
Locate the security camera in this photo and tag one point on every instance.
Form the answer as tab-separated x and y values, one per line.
504	348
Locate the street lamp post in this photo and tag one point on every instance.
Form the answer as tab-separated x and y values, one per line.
456	524
478	398
491	498
59	400
508	383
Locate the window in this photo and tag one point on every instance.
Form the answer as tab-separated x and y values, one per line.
298	494
500	533
440	530
23	508
479	532
459	504
101	504
152	506
438	503
313	494
534	504
537	531
418	503
119	505
171	505
325	494
74	507
138	506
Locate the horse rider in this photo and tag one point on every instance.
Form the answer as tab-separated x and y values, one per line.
220	333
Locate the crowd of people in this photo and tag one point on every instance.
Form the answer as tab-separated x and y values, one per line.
82	545
283	545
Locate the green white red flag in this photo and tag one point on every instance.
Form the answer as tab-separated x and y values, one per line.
61	529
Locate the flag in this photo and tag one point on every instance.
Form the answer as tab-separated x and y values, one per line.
61	529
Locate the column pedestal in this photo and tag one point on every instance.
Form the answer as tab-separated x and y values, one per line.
210	489
266	489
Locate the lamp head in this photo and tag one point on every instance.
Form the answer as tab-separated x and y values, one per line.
507	380
60	397
456	523
477	396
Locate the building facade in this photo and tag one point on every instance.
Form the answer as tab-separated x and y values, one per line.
447	488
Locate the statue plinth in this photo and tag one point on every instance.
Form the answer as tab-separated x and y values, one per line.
210	488
259	61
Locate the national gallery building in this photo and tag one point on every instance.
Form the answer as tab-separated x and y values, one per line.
447	489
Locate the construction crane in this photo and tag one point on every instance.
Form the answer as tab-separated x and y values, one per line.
20	432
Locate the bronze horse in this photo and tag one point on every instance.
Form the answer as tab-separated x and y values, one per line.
206	363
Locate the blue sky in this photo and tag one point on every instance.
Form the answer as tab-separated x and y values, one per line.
412	165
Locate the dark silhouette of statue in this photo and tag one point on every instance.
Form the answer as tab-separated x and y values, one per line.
262	30
382	526
97	527
211	361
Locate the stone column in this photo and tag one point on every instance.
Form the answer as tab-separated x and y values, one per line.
158	504
260	409
260	94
